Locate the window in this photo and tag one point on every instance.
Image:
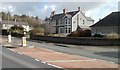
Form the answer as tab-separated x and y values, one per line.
78	17
60	22
61	30
67	21
83	21
67	30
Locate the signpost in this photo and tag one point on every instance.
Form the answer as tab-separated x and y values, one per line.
9	38
24	40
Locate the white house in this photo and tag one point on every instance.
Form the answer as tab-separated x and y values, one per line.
110	25
67	22
9	24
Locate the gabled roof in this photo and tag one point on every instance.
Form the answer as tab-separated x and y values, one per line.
14	23
89	18
60	16
72	13
110	20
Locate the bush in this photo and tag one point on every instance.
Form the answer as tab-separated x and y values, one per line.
37	31
81	33
97	35
4	32
112	36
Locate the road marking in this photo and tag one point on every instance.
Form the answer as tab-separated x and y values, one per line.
40	53
54	65
96	59
20	53
37	60
43	62
71	60
11	49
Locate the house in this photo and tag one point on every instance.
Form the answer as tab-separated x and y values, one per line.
107	26
9	24
67	22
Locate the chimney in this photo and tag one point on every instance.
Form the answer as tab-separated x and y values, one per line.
64	10
53	12
79	9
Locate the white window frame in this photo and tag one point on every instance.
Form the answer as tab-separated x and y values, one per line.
61	22
68	21
67	29
60	31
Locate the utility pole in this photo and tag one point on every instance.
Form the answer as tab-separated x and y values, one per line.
8	30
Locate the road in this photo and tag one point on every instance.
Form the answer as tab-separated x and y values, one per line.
15	60
110	55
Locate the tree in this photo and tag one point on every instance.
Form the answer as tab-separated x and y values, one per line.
48	29
23	16
38	31
36	17
4	16
17	29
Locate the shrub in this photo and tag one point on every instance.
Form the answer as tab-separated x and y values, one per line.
81	33
97	35
37	31
4	32
17	29
112	36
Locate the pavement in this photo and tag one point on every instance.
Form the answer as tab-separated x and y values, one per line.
62	60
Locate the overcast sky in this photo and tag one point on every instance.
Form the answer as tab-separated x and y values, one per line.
95	10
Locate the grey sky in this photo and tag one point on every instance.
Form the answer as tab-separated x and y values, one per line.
43	9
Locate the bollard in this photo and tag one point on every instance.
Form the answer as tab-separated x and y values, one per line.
24	41
9	38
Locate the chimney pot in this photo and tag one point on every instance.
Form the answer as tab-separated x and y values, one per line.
65	10
54	12
79	9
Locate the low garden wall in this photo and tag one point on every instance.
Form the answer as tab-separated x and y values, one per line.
78	41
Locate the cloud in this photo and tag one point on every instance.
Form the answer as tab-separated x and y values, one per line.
104	10
42	9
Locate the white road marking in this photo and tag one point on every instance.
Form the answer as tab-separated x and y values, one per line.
11	49
71	60
39	53
54	65
43	62
37	60
20	53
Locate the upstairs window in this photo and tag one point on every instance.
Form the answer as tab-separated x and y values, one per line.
67	21
83	21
